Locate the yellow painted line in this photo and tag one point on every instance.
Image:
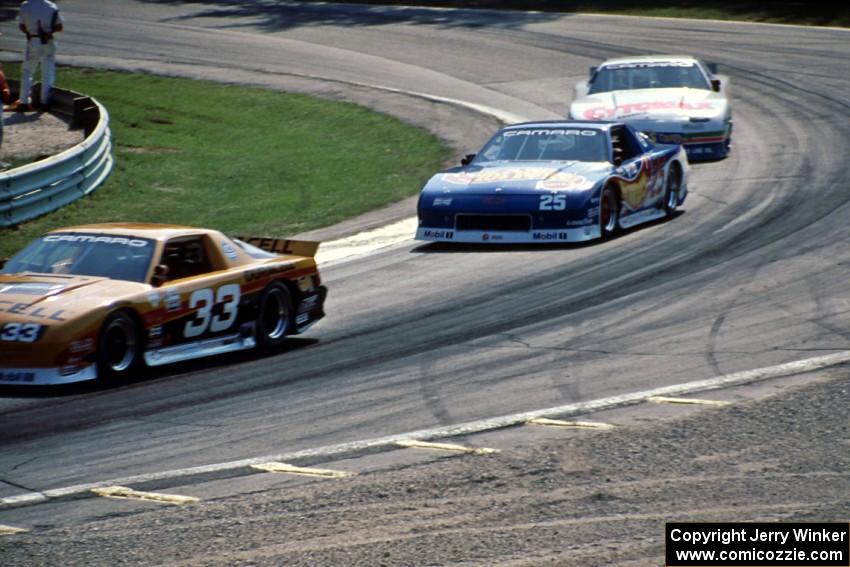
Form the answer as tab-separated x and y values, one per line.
446	447
10	530
692	401
578	424
130	494
305	471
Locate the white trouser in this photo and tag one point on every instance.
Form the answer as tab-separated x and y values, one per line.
37	52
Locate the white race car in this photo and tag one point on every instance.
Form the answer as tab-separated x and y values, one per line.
672	99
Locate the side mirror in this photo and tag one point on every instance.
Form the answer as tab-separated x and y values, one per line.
467	159
160	275
715	85
581	89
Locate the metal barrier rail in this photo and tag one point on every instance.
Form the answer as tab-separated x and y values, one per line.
41	187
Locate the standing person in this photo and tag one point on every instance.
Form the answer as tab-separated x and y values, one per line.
39	20
5	97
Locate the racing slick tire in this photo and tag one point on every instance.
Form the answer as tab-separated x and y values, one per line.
672	186
118	346
609	213
274	315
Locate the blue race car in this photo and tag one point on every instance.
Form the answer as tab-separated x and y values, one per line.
554	182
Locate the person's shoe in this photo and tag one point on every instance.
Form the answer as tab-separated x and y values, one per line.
22	107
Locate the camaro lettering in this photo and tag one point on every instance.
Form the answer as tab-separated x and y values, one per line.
550	132
649	64
95	239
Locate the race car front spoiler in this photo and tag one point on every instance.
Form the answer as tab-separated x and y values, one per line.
46	376
548	236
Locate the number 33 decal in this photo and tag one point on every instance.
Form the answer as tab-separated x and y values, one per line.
202	300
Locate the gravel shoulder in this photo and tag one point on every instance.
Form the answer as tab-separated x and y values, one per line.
31	136
599	498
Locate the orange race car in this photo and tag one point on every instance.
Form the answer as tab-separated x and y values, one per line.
100	300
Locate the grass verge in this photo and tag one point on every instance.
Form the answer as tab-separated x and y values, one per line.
238	159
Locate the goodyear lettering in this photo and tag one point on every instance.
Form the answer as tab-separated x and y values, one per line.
127	241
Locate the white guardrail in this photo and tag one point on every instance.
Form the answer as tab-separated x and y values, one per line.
41	187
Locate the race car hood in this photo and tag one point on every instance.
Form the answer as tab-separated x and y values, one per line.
667	104
519	178
59	297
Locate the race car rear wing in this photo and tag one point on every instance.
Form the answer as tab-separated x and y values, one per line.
282	246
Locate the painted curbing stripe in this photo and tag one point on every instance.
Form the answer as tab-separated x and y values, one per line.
575	424
304	471
10	530
330	451
451	447
687	401
130	494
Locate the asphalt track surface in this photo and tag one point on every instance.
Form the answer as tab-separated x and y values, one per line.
752	274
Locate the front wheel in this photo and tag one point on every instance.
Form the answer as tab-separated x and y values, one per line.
609	213
671	191
274	315
118	346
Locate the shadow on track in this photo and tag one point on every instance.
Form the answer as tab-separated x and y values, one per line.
157	373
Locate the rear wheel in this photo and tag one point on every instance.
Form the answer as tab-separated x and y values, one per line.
274	315
118	346
671	190
609	212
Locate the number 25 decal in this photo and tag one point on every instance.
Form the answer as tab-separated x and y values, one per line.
553	202
202	299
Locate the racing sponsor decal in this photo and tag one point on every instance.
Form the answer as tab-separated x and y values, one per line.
445	234
550	178
172	300
607	112
267	271
229	251
486	237
31	288
81	346
154	299
126	240
549	236
36	311
564	181
17	376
